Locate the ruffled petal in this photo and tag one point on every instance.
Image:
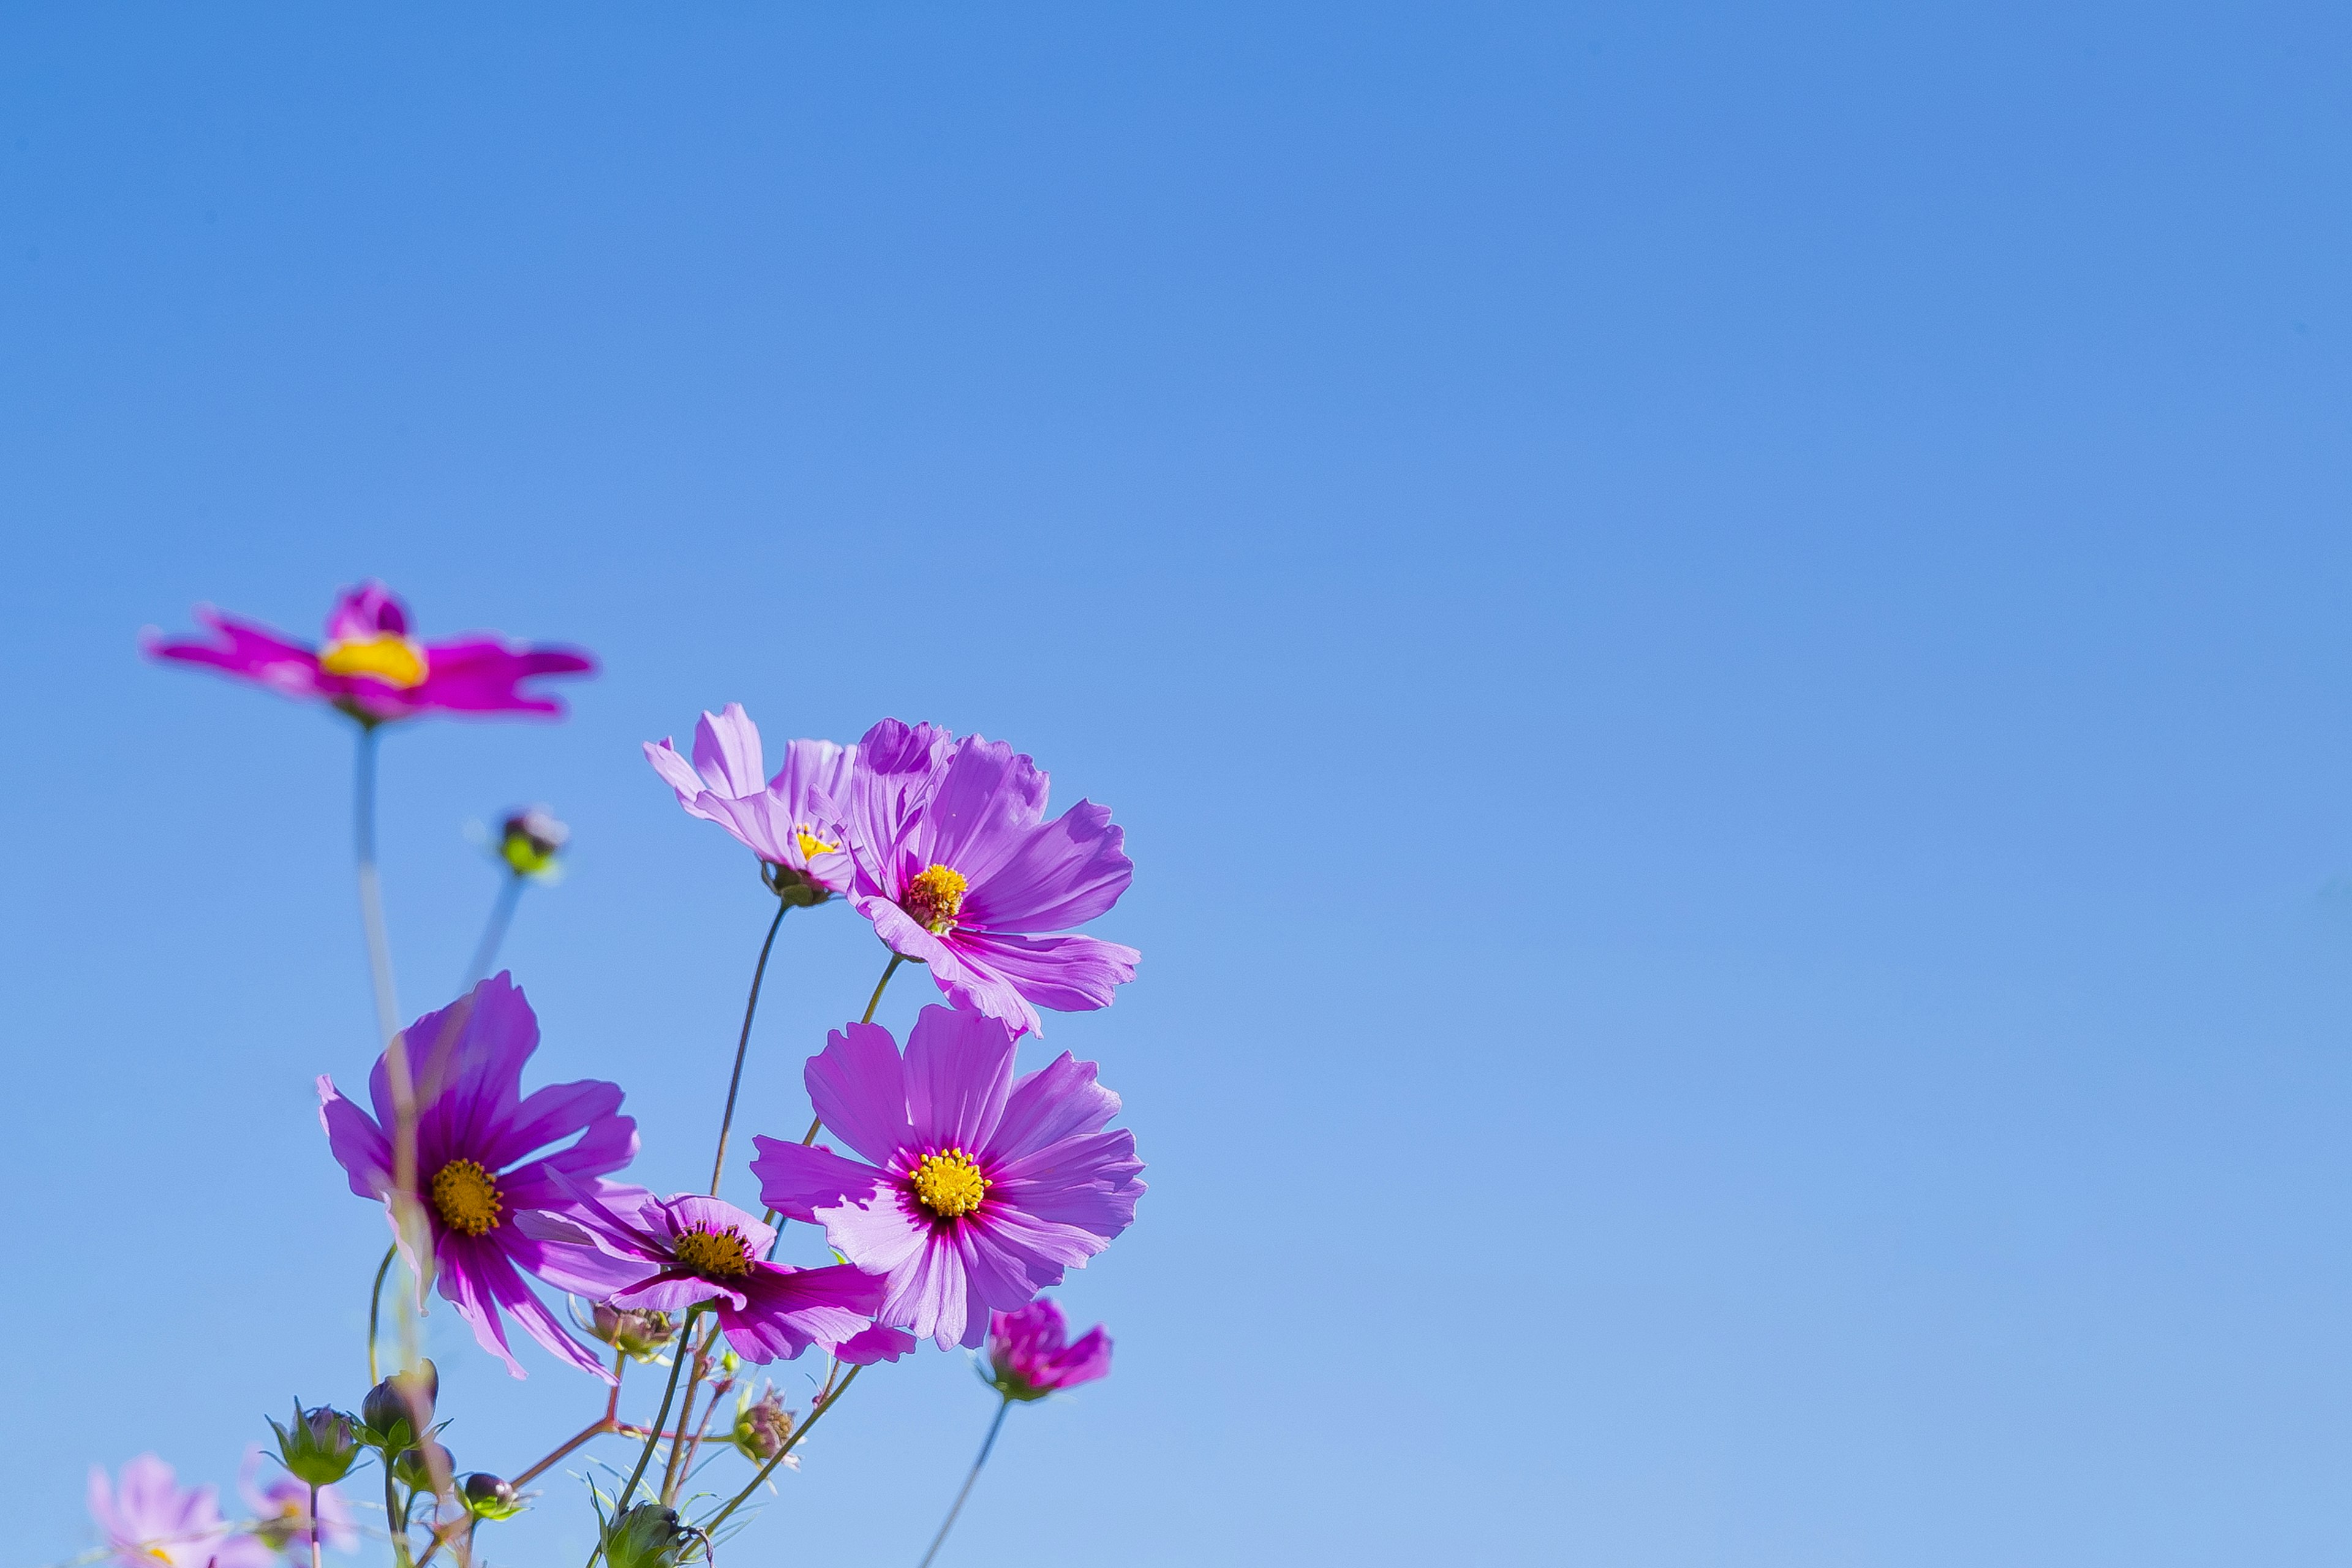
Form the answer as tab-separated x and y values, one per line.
1058	876
857	1086
1060	1099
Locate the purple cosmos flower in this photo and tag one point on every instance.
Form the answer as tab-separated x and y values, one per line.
792	822
958	867
282	1505
151	1520
1033	1357
982	1189
482	1163
372	669
689	1248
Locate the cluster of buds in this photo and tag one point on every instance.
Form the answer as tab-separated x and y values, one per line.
319	1446
652	1536
637	1332
531	841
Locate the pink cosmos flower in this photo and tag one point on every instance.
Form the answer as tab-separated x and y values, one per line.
792	822
982	1189
372	669
485	1160
282	1507
1031	1351
958	867
151	1520
689	1248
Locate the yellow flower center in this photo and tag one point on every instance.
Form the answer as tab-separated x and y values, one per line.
388	657
719	1252
950	1184
468	1200
811	844
935	897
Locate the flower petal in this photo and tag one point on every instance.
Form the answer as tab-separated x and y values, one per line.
796	1181
1055	876
959	1071
1060	1099
857	1086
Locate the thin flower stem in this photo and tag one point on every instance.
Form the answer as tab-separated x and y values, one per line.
387	1004
742	1041
653	1439
941	1539
394	1524
316	1561
502	910
817	1122
375	1304
790	1443
611	1423
701	1353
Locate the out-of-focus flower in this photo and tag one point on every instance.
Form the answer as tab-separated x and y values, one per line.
763	1428
1033	1354
635	1333
395	1410
151	1520
958	867
488	1497
688	1248
479	1164
319	1446
281	1508
531	841
416	1468
372	669
982	1190
651	1536
792	822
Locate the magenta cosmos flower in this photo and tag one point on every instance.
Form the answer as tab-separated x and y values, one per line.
982	1189
1032	1356
372	669
151	1520
958	867
792	822
484	1161
688	1248
281	1506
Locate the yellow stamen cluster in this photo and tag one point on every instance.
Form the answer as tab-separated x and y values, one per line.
467	1199
935	897
714	1252
388	657
811	844
950	1185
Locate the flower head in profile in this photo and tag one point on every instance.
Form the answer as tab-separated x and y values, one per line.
151	1520
981	1189
532	842
281	1509
372	669
1032	1356
688	1249
485	1163
792	822
959	867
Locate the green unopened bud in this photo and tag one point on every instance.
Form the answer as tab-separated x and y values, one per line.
530	841
399	1407
487	1496
413	1467
649	1536
317	1446
793	886
638	1333
762	1426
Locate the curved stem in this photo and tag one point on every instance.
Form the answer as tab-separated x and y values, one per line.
653	1438
790	1443
375	1304
742	1041
502	910
815	1123
938	1541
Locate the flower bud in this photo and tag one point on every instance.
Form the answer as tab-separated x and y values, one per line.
400	1406
530	841
649	1536
413	1467
487	1496
636	1332
762	1426
317	1446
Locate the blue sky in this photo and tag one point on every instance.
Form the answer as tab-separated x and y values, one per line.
1720	634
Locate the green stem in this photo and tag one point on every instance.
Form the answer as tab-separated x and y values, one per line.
392	1521
743	1042
379	945
502	910
790	1443
653	1438
816	1123
375	1305
686	1415
941	1539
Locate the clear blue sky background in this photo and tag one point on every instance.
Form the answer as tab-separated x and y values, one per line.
1721	633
